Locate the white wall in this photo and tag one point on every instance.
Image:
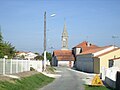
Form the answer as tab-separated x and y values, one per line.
78	51
37	65
104	50
116	63
110	76
65	63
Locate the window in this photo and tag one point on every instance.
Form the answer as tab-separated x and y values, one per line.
111	63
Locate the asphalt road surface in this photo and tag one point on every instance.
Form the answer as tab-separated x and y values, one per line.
69	80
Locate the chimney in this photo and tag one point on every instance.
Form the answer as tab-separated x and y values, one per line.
88	44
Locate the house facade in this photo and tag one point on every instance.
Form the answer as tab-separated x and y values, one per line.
92	58
103	60
82	47
115	62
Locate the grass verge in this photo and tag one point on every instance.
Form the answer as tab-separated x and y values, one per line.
89	87
27	83
50	69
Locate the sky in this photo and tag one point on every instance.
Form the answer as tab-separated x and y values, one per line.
96	21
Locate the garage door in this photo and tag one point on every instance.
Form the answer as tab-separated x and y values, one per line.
86	64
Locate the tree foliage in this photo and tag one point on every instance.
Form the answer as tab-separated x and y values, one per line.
1	38
6	48
48	55
39	57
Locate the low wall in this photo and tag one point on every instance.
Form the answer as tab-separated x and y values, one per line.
110	76
110	82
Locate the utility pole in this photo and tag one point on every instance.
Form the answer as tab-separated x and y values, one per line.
44	66
45	41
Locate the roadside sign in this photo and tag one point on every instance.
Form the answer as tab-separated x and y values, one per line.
97	81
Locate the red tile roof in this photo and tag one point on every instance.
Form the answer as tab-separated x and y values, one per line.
21	52
63	55
87	47
93	50
85	44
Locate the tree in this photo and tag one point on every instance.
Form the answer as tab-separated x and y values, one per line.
22	57
48	55
6	48
37	53
1	38
39	57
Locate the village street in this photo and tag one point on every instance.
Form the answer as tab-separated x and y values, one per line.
69	80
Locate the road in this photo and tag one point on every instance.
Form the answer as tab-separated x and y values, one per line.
69	80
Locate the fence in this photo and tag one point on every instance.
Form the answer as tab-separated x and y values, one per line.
37	65
8	66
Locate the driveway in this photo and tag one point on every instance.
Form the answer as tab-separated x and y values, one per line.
69	80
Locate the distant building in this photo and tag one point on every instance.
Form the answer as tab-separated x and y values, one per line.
30	55
26	55
63	57
21	54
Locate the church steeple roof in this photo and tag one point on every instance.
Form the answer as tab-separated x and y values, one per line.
65	33
65	38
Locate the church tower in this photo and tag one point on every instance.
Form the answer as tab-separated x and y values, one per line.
65	38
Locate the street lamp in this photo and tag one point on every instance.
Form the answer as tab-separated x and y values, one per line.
45	38
52	15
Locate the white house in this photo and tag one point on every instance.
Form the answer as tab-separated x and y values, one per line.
27	55
19	54
30	55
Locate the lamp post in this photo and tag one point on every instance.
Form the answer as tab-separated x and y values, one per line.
52	15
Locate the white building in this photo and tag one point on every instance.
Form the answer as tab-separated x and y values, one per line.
26	55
